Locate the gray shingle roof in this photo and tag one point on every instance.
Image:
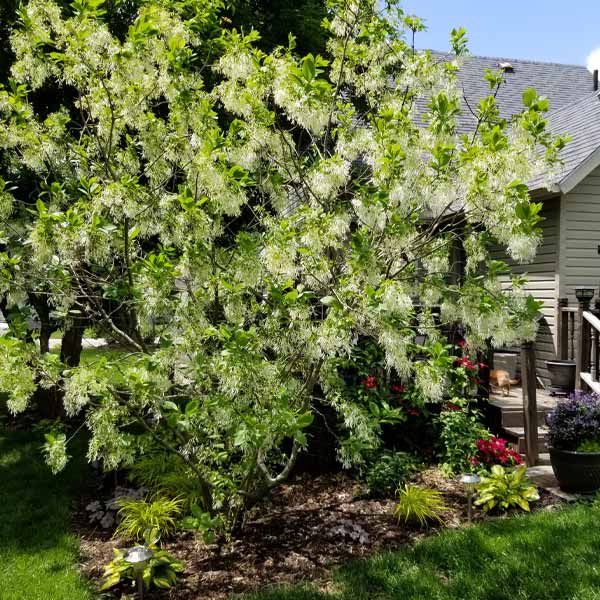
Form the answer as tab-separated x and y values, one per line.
581	121
574	106
561	84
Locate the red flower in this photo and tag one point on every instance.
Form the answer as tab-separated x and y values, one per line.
414	412
461	343
482	365
474	461
452	406
370	382
494	451
397	388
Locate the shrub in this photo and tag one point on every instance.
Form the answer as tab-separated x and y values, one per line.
461	427
389	471
506	488
574	421
419	506
495	452
161	571
138	516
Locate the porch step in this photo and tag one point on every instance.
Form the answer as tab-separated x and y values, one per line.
515	418
516	435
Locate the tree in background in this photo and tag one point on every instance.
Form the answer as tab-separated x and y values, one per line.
238	226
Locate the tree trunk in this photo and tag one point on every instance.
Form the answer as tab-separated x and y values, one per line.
47	327
70	349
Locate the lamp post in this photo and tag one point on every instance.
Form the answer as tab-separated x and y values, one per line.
469	481
138	557
584	294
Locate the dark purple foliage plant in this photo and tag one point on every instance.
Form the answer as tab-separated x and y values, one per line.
574	420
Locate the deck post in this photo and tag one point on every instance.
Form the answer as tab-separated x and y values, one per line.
563	329
583	343
530	413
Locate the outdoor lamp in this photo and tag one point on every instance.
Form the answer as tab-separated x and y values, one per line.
138	557
583	293
469	481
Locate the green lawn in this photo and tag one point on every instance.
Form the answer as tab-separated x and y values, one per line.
38	557
546	556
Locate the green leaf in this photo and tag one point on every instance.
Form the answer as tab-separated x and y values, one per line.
529	97
305	420
191	407
309	68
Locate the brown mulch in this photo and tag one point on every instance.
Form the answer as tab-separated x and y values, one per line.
308	526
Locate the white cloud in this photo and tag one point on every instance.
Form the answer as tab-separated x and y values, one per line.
593	60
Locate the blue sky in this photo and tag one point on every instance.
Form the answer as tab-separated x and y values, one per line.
565	31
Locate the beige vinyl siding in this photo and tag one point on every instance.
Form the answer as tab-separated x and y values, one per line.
580	261
542	276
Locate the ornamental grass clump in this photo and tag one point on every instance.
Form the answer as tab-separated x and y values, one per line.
574	422
419	506
138	516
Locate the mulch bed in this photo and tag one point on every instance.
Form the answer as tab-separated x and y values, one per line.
307	527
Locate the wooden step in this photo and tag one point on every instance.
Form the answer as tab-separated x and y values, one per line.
515	418
516	435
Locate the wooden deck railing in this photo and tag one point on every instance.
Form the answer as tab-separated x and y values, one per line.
589	354
579	340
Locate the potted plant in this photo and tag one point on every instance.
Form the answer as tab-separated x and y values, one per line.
562	375
574	440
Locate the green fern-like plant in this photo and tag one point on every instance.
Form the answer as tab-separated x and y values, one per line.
138	516
165	475
419	505
506	488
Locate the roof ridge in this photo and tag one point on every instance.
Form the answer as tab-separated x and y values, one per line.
571	106
521	60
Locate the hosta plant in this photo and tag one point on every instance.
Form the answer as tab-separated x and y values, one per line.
160	572
137	516
506	488
419	506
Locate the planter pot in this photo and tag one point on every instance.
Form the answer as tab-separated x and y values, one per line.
576	471
562	375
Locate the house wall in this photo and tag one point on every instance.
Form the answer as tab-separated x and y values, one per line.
580	219
543	282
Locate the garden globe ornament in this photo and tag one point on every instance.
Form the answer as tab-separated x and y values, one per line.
469	481
138	557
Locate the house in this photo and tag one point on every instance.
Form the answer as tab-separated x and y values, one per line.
570	253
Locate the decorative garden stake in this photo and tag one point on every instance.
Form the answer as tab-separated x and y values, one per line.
469	481
139	556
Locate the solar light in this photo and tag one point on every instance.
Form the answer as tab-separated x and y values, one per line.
583	293
469	481
138	557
